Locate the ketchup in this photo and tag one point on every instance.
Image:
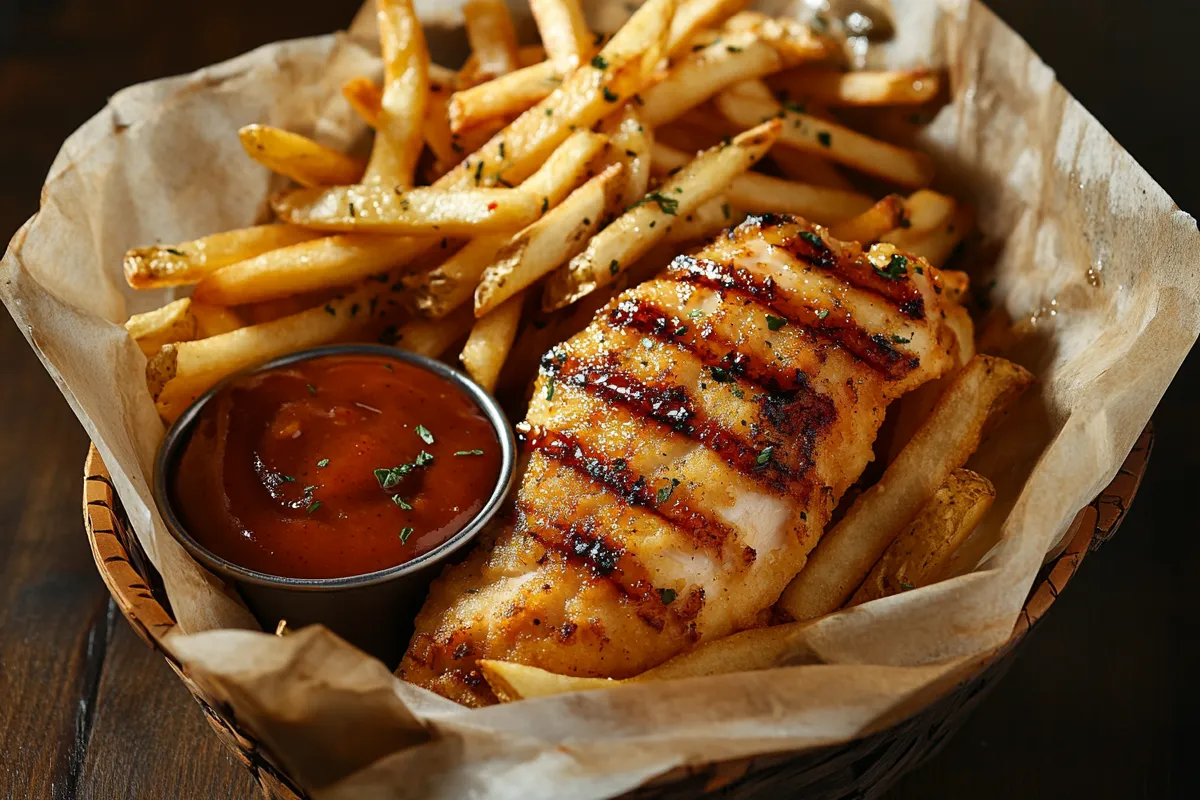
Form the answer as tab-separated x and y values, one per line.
335	466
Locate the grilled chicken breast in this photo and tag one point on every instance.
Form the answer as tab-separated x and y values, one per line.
684	453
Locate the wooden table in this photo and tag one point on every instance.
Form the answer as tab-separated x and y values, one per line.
1100	703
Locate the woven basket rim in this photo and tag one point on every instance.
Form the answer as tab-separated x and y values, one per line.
131	583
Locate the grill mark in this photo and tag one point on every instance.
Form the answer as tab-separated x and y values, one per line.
851	264
872	349
704	532
674	408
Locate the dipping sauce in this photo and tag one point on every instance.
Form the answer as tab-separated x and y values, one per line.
335	466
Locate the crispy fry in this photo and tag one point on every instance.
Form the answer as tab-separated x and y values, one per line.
980	394
637	230
452	283
298	157
863	88
398	138
502	97
924	211
215	320
922	553
549	242
564	31
705	222
308	266
585	97
740	56
694	16
868	226
421	210
490	340
433	337
755	192
512	682
937	246
831	140
492	36
174	322
188	262
629	143
365	97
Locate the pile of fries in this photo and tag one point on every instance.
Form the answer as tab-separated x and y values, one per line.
504	203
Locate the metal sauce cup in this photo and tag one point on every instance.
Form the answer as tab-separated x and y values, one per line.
374	611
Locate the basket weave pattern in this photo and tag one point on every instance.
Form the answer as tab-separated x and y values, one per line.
864	768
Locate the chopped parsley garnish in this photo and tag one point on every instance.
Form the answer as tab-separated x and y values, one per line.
610	95
550	388
174	252
312	389
823	313
733	49
405	532
664	494
390	477
668	205
619	465
896	268
313	506
906	586
824	138
353	213
721	375
599	63
667	596
425	435
288	478
324	462
400	501
725	210
680	331
500	149
737	392
764	457
899	339
812	238
695	313
775	323
469	453
798	108
478	171
614	267
549	112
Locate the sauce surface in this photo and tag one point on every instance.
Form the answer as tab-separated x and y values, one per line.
335	466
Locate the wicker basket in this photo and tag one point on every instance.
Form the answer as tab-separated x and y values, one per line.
859	769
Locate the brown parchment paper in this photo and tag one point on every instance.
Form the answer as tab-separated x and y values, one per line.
1088	254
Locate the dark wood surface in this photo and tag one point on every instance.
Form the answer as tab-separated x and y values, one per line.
1102	703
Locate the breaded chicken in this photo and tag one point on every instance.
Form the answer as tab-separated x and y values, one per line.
683	454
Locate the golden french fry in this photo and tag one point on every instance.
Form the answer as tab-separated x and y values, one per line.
188	262
585	97
742	55
298	157
868	226
512	682
980	393
641	227
452	283
937	246
502	97
492	36
490	340
365	97
924	211
309	266
922	553
470	74
865	88
629	143
755	192
694	16
705	222
417	211
549	242
215	320
174	322
398	138
270	310
433	337
831	140
564	31
367	101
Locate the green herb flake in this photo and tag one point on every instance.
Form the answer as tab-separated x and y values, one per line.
664	493
824	138
610	95
764	457
668	205
313	506
775	323
680	331
899	339
549	112
353	213
400	501
737	392
599	63
174	251
917	268
324	462
405	532
424	433
423	458
906	586
478	171
812	238
500	149
823	313
725	210
614	267
721	375
695	313
550	388
545	204
469	453
896	268
667	596
732	49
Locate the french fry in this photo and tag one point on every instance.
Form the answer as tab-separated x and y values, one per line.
979	395
705	222
470	74
864	88
185	263
585	97
433	337
868	226
308	266
452	283
742	55
271	310
367	101
831	140
632	234
549	242
298	157
215	320
937	246
564	32
365	97
502	97
490	340
492	36
924	210
417	211
398	138
629	143
755	192
511	682
174	322
922	553
694	16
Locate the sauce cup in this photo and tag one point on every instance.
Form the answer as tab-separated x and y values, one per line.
373	611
